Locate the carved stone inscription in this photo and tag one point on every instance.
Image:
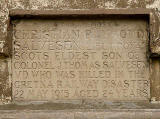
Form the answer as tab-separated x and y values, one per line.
80	59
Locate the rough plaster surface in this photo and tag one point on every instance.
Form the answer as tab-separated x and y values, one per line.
6	5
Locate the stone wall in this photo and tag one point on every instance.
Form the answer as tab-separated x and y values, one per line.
7	5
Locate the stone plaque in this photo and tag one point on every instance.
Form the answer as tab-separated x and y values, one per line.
74	59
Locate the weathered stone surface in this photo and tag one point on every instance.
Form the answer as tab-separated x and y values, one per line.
81	105
75	4
83	4
3	27
5	86
155	35
80	59
155	82
79	114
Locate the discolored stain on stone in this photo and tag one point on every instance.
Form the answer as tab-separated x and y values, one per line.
89	4
122	4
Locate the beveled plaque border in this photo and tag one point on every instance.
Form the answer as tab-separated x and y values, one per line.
136	11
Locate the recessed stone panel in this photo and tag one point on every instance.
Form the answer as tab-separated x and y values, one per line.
74	59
